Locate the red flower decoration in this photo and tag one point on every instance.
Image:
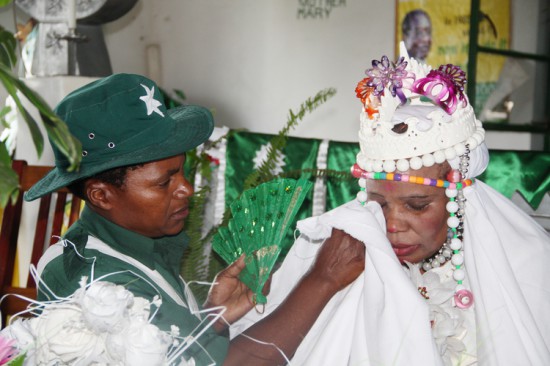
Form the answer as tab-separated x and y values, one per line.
213	160
363	92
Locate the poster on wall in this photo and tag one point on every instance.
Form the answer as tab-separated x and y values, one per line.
437	32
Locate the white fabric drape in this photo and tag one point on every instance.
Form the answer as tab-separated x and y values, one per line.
381	319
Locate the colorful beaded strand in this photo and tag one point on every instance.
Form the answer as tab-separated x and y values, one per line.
357	172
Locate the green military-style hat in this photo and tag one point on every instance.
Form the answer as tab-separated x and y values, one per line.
122	120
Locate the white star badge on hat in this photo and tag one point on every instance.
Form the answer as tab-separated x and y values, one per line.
151	103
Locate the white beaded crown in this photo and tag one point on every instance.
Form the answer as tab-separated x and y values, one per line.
414	116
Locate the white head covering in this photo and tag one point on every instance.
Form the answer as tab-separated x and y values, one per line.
382	318
479	159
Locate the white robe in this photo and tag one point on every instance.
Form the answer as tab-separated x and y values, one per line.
381	319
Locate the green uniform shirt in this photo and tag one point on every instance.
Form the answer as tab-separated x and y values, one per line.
63	273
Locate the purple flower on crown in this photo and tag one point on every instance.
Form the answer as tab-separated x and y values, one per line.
388	74
444	86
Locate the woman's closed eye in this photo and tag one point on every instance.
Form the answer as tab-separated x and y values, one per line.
165	182
417	206
169	178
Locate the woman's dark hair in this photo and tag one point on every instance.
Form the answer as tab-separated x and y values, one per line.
115	177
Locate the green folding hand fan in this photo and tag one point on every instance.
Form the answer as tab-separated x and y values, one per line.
260	219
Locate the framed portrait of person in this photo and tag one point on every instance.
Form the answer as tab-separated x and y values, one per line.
437	32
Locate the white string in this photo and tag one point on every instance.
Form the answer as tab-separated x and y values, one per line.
218	316
36	276
268	344
191	300
213	314
191	338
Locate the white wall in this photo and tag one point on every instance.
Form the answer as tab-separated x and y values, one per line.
252	60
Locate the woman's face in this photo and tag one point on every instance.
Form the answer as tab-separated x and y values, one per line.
416	216
154	200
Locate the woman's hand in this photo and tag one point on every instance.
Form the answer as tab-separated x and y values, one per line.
340	260
230	292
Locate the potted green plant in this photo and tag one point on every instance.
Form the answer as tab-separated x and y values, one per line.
56	129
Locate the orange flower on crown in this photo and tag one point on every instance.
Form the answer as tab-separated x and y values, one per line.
364	92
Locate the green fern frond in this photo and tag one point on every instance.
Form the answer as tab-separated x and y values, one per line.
278	142
276	145
195	265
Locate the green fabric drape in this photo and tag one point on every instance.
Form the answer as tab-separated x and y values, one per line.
527	172
508	171
241	150
341	157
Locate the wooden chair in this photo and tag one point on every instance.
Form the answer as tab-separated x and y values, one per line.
50	220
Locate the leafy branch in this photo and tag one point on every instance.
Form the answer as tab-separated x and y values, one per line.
56	129
278	142
195	265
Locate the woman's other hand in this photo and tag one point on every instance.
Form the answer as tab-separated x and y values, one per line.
230	292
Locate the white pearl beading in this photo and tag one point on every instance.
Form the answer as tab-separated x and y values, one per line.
443	141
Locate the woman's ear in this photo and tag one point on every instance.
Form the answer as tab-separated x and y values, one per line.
100	194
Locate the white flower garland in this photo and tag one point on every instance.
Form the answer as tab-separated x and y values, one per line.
449	323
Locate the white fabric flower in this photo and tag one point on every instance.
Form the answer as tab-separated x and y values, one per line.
63	337
100	324
140	309
105	306
140	343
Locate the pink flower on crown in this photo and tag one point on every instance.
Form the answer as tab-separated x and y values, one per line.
444	86
388	74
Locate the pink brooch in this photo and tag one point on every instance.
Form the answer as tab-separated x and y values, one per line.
444	86
464	299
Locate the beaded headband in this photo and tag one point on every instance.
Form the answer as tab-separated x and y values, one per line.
357	172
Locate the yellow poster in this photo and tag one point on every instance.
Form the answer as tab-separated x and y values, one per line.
437	32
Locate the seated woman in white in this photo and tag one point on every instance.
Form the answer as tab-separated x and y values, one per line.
455	274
